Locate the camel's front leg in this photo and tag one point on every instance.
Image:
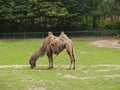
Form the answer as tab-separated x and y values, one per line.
51	62
50	58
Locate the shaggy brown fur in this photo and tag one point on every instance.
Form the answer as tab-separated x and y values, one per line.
54	44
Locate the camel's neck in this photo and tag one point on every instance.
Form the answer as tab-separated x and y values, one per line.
35	56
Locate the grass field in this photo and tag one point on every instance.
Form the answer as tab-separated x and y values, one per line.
96	68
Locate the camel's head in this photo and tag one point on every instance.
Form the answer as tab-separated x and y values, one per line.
32	63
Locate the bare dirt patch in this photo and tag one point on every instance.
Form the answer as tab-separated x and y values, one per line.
36	88
13	66
109	43
75	77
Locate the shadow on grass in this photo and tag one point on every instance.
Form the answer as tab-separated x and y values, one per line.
52	69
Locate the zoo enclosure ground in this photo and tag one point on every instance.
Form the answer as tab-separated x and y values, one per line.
98	68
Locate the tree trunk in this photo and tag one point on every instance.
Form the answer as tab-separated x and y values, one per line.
95	21
61	23
45	24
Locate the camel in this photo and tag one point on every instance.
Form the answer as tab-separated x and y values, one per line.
54	45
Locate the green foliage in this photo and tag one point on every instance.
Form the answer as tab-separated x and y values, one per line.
56	9
29	8
85	24
110	24
55	13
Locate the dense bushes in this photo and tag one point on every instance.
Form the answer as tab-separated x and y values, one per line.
110	24
45	15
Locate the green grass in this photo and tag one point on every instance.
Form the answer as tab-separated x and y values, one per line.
96	68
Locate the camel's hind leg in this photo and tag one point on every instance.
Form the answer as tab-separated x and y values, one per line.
71	54
73	60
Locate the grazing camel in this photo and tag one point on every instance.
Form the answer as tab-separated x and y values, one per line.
54	45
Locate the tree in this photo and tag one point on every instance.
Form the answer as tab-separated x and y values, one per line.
60	14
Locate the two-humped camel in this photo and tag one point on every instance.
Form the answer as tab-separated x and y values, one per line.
54	45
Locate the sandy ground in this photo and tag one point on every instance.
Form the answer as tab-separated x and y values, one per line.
107	42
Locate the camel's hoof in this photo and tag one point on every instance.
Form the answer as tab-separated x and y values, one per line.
31	67
74	68
50	68
69	69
